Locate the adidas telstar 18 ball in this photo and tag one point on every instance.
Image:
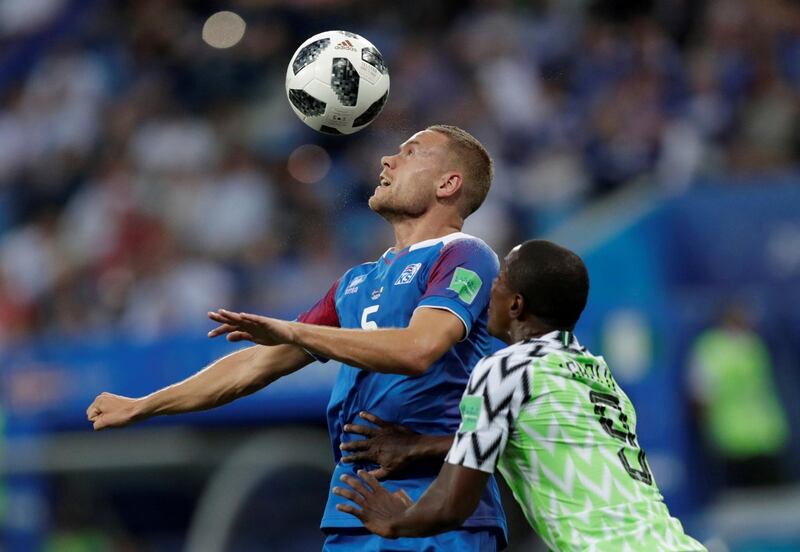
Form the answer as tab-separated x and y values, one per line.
337	82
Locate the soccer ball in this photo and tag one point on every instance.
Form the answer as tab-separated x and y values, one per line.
337	82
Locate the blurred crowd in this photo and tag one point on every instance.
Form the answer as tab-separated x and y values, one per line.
146	177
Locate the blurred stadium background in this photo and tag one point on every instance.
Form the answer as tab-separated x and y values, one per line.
146	178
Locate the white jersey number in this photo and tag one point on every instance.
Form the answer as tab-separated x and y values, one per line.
369	324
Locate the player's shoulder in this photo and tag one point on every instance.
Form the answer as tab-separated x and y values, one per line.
457	241
360	269
461	241
506	369
561	343
528	349
350	280
460	248
529	353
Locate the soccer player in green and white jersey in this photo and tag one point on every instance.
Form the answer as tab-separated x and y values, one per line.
549	414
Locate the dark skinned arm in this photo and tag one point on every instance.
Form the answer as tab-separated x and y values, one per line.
393	447
446	505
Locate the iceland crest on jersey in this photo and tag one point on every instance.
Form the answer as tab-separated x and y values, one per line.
408	274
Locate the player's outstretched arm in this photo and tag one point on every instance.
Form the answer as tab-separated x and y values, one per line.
408	351
446	505
229	378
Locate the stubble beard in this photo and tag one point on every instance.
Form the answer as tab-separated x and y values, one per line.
393	210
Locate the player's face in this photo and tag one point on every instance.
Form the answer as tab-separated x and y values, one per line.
409	178
499	306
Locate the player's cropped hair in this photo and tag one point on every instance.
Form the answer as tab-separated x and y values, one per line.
553	281
477	164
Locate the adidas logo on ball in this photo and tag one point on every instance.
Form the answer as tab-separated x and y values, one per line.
345	45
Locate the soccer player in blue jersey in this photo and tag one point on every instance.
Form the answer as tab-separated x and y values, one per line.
407	329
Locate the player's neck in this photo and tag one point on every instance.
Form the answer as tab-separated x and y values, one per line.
410	231
530	328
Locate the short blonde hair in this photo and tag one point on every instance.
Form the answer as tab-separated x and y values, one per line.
476	163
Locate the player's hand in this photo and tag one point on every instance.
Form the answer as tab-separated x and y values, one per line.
389	445
109	410
379	508
251	327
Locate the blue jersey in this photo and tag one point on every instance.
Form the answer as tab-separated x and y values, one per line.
453	273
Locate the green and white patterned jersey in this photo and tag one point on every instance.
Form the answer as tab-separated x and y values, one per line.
550	415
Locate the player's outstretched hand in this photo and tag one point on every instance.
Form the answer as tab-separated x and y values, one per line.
241	326
379	508
389	445
109	410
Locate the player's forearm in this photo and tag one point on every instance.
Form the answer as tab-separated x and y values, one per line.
391	351
430	515
227	379
431	448
447	504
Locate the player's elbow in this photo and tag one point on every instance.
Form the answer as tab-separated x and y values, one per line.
414	365
418	362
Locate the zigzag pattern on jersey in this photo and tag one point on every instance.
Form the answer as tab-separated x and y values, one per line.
540	347
501	382
504	386
562	466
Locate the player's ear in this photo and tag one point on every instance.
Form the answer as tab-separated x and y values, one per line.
517	308
450	184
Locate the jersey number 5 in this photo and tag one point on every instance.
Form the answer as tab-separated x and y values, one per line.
369	324
601	402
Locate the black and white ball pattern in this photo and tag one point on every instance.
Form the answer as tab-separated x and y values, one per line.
372	56
337	82
344	81
305	104
309	53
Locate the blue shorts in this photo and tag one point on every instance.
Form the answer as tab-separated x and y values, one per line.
345	540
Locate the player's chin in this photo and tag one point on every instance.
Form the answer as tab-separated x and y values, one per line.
374	203
380	205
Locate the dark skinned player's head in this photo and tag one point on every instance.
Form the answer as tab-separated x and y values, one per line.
541	285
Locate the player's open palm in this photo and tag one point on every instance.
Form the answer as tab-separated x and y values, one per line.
379	507
110	410
241	326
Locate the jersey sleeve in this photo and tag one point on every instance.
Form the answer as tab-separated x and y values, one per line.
490	406
323	313
460	280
